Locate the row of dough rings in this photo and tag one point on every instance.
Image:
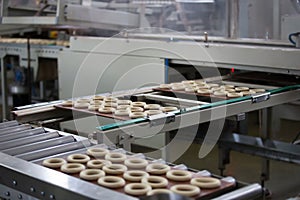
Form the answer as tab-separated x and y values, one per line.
91	174
155	181
124	102
185	189
72	168
179	175
135	175
159	191
136	163
106	110
206	182
110	99
135	115
157	168
138	104
78	158
54	162
168	108
68	103
153	112
81	105
115	169
122	112
137	189
115	157
136	109
152	106
98	164
111	181
97	152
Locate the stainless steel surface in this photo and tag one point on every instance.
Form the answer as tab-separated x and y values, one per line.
8	124
21	134
15	129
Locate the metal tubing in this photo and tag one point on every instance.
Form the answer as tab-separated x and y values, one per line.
8	124
10	130
21	134
53	150
27	140
39	145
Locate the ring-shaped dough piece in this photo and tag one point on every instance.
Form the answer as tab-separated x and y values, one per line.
152	107
179	175
54	162
135	115
211	85
138	104
234	94
188	81
159	191
214	89
135	175
109	104
93	107
168	108
240	89
111	181
204	91
107	110
124	102
153	112
81	105
220	93
68	103
97	164
228	86
123	107
122	112
97	152
178	87
136	163
250	92
91	174
78	158
165	86
136	109
83	100
98	97
72	168
115	157
137	189
115	169
229	90
191	89
110	99
205	86
155	181
185	189
157	168
206	182
96	102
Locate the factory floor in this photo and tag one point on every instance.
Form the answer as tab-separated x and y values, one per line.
284	179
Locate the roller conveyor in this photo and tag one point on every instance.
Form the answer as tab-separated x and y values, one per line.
14	129
21	134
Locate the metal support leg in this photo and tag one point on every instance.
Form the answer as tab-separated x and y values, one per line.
5	113
42	90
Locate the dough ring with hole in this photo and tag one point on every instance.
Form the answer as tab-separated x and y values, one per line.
111	181
106	110
78	158
81	105
240	89
68	103
220	93
115	169
82	100
96	102
97	152
54	162
135	115
93	107
123	107
72	168
206	182
98	97
204	91
138	104
115	157
234	94
152	107
185	189
157	168
159	191
124	102
136	163
153	112
97	164
91	174
122	112
155	181
259	90
168	108
179	175
135	175
109	105
110	99
136	109
137	189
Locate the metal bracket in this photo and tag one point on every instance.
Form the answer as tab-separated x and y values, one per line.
163	118
260	97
